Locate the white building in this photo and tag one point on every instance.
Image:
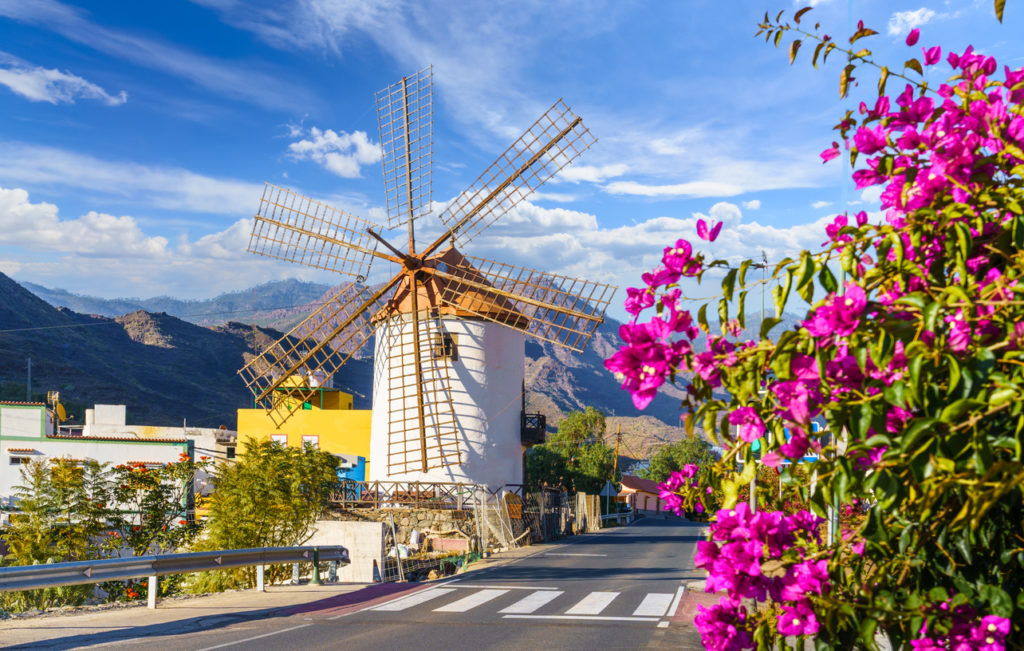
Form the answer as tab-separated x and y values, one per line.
27	434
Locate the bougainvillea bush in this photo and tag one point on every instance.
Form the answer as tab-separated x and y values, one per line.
912	353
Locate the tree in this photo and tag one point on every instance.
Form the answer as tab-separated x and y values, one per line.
60	518
270	497
912	358
575	457
154	510
673	456
585	426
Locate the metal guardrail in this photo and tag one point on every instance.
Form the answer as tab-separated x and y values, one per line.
618	517
51	575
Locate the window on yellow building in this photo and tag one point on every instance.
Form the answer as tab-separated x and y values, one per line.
279	438
313	440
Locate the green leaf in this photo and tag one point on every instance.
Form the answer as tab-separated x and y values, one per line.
914	65
743	272
794	47
729	284
799	14
778	37
723	313
827	280
767	325
954	412
817	51
1000	5
741	309
844	80
882	78
702	317
782	295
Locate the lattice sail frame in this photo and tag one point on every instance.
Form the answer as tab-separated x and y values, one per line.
558	309
318	346
555	140
405	437
405	112
295	228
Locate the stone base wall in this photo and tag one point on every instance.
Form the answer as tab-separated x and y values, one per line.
432	523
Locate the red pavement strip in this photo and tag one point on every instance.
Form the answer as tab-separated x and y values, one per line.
351	602
687	609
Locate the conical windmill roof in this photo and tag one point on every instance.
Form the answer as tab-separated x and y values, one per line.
460	300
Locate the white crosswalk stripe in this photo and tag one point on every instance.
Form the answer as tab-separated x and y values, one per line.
414	599
655	604
472	601
593	603
531	602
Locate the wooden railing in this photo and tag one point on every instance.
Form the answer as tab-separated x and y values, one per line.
429	495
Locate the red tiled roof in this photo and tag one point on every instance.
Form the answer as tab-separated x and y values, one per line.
29	404
21	449
638	484
67	437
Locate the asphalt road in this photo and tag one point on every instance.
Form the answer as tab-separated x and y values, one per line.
614	590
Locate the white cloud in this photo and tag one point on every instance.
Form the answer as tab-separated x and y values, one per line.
342	153
872	194
244	82
693	189
590	173
753	204
559	197
723	211
821	204
901	22
161	187
39	84
36	226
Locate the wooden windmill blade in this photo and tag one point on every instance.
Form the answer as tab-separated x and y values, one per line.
405	112
422	430
555	140
318	346
558	309
294	228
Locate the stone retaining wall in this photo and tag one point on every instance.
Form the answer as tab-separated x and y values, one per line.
430	522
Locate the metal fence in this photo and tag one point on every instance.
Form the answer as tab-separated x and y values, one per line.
51	575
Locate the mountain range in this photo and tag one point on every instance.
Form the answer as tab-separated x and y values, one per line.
180	363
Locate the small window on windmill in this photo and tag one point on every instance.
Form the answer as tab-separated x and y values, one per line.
446	346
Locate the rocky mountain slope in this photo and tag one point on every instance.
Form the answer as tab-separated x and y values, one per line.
164	369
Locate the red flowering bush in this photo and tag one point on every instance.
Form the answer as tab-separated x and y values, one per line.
913	359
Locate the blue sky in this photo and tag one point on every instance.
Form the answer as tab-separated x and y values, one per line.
136	136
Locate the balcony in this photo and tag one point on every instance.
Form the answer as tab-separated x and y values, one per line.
534	429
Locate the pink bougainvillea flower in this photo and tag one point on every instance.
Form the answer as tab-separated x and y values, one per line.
708	234
913	36
869	141
932	55
637	300
751	427
798	619
830	153
677	258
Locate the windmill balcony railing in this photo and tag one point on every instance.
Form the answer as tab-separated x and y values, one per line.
351	494
534	429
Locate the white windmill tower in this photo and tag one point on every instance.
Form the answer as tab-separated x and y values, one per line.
449	350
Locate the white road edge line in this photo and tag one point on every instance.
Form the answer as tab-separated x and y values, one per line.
675	602
586	617
501	587
662	624
554	554
256	637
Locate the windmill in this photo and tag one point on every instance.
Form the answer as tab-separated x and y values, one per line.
449	349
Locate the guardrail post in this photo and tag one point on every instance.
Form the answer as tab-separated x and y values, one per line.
259	578
316	567
151	596
333	575
295	574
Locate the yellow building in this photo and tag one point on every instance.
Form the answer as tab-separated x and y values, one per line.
326	420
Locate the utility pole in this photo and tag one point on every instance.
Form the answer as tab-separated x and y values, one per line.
618	439
28	382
